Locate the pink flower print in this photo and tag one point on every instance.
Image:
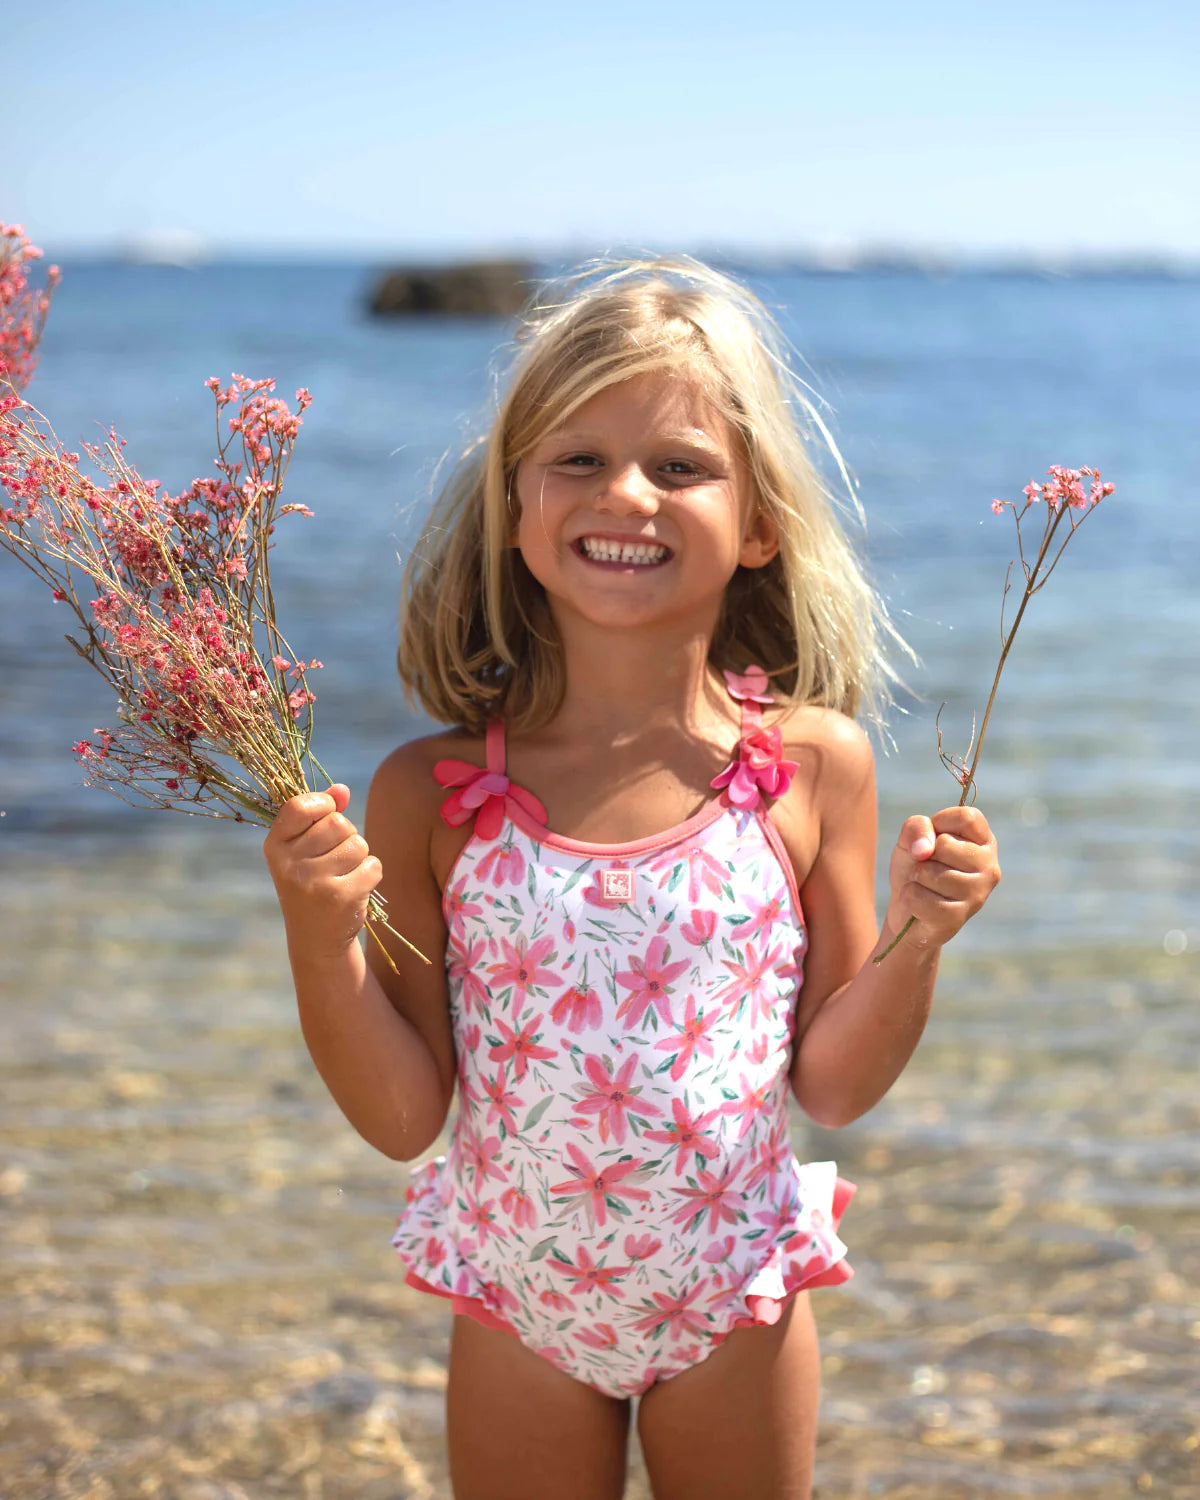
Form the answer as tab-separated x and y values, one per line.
499	1299
641	1246
457	905
690	1039
648	981
480	1155
486	795
749	1106
505	864
602	1336
435	1252
714	1196
521	1045
750	686
500	1101
699	930
589	1275
757	1052
569	930
578	1010
765	1161
521	967
759	767
519	1207
686	1135
778	1219
674	1313
463	966
590	1186
610	1097
481	1216
763	916
719	1250
800	1271
557	1300
750	980
704	872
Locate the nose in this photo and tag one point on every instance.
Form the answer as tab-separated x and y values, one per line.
628	491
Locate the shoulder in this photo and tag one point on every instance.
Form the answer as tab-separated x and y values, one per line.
833	752
404	780
833	790
416	759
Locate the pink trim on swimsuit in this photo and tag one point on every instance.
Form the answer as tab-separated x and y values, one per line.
619	1192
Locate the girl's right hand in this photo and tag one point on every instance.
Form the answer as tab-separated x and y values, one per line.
322	869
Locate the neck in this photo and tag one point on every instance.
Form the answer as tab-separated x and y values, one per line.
619	684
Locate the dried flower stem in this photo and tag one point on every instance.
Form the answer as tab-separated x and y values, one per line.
1067	498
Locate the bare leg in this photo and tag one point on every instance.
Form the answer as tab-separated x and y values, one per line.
519	1429
742	1424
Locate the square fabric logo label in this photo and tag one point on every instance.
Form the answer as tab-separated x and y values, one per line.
616	885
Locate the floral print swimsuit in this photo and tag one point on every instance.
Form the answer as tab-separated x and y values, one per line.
619	1190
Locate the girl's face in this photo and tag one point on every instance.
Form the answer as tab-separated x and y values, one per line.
638	510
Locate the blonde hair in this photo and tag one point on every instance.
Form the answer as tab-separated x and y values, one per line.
476	635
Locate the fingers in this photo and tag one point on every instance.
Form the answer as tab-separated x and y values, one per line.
917	836
299	813
966	823
943	869
312	838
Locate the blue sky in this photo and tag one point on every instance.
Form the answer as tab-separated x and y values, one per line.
477	127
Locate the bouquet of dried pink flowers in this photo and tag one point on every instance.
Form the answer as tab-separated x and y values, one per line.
173	599
23	308
1070	495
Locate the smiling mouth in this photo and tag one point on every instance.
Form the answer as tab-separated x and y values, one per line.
599	549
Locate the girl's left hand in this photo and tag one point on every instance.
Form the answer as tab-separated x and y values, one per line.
942	870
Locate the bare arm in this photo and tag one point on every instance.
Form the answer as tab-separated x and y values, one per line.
858	1023
380	1041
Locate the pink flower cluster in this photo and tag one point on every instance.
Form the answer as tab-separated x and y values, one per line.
182	597
1066	487
23	308
759	768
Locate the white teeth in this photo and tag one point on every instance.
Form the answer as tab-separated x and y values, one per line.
602	549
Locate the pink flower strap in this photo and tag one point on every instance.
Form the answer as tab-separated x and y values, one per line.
484	792
759	766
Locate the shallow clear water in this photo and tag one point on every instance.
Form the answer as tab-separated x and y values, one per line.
198	1296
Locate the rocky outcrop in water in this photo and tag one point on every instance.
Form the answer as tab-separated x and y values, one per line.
482	289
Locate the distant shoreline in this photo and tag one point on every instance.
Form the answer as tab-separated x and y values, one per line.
848	263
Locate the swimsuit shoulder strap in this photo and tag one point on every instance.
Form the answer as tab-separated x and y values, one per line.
484	792
496	747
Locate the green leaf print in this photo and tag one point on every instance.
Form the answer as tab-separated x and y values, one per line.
536	1113
676	877
572	880
540	1249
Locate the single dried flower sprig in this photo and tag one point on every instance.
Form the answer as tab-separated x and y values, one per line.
23	308
1070	496
214	708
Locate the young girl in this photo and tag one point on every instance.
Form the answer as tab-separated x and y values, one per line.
647	851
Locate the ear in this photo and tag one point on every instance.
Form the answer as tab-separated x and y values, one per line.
760	541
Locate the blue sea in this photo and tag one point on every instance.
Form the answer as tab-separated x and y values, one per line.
1037	1164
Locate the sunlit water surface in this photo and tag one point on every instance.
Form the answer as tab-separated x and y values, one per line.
199	1300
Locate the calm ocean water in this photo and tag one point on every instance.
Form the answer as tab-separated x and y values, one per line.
1036	1166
